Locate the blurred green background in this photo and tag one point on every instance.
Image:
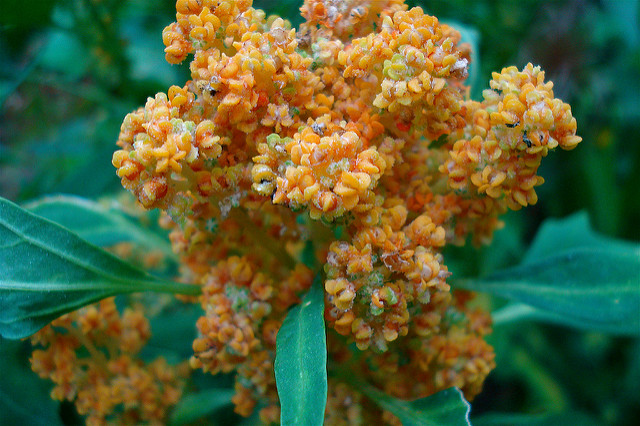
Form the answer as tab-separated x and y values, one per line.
70	71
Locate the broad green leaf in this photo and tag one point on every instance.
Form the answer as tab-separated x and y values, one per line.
24	398
301	361
574	276
47	271
196	406
556	235
515	312
508	419
97	224
590	288
445	408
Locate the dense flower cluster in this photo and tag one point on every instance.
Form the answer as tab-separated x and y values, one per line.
507	136
244	309
91	357
347	148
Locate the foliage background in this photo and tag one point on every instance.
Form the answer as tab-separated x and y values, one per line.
71	70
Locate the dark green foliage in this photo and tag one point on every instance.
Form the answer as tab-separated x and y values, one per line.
573	276
98	224
47	271
447	407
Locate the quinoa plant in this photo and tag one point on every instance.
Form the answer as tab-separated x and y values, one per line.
312	184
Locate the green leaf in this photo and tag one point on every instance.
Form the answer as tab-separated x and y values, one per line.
196	406
97	224
574	277
47	271
556	235
445	408
301	361
593	289
24	398
508	419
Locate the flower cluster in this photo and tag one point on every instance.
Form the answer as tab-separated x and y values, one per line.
326	167
418	67
446	349
347	148
506	137
388	275
244	309
91	357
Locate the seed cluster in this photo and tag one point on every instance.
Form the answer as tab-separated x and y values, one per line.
347	148
244	309
91	356
507	137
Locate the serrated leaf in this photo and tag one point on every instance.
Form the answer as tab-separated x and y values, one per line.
97	224
301	361
47	271
196	406
445	408
574	277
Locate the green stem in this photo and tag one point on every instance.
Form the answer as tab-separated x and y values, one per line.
170	287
